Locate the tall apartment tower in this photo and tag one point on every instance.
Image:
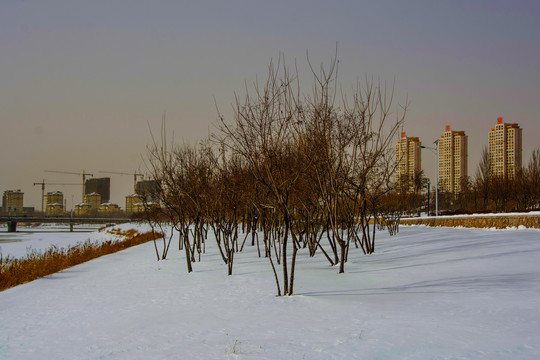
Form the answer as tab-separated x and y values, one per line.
408	160
505	149
102	186
453	158
149	189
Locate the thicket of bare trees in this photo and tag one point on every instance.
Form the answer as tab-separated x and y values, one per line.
503	194
485	193
295	168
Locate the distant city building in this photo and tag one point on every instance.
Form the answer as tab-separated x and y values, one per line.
142	207
102	186
54	203
83	209
108	209
94	200
505	150
453	159
408	160
134	204
12	202
54	209
55	197
149	189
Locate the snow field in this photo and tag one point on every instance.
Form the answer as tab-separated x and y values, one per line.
427	293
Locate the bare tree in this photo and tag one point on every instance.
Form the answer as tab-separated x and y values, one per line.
171	169
533	179
482	179
291	165
263	134
341	153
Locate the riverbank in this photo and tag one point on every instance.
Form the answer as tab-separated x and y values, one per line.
36	264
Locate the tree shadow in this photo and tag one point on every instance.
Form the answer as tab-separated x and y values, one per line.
450	285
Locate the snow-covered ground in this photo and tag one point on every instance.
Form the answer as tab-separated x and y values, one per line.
427	293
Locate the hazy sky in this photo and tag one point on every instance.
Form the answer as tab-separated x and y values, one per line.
82	81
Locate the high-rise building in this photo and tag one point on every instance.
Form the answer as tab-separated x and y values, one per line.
505	149
453	159
12	202
149	189
408	160
102	186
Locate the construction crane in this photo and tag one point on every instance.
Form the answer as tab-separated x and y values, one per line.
135	174
43	183
84	175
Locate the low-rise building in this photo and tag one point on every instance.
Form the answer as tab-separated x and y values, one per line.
83	209
12	202
54	197
134	203
109	209
54	209
94	200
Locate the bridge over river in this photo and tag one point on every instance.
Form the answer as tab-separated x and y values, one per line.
72	221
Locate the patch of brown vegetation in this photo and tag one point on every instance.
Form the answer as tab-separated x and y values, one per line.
498	222
14	272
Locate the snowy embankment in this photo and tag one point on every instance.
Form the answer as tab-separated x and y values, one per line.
481	221
509	214
427	293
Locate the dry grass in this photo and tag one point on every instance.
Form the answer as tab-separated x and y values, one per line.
499	222
14	272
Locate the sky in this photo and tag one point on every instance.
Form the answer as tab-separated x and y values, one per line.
84	83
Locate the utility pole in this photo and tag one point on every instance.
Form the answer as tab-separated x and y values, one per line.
436	150
428	190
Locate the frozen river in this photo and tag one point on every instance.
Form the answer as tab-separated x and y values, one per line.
40	238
